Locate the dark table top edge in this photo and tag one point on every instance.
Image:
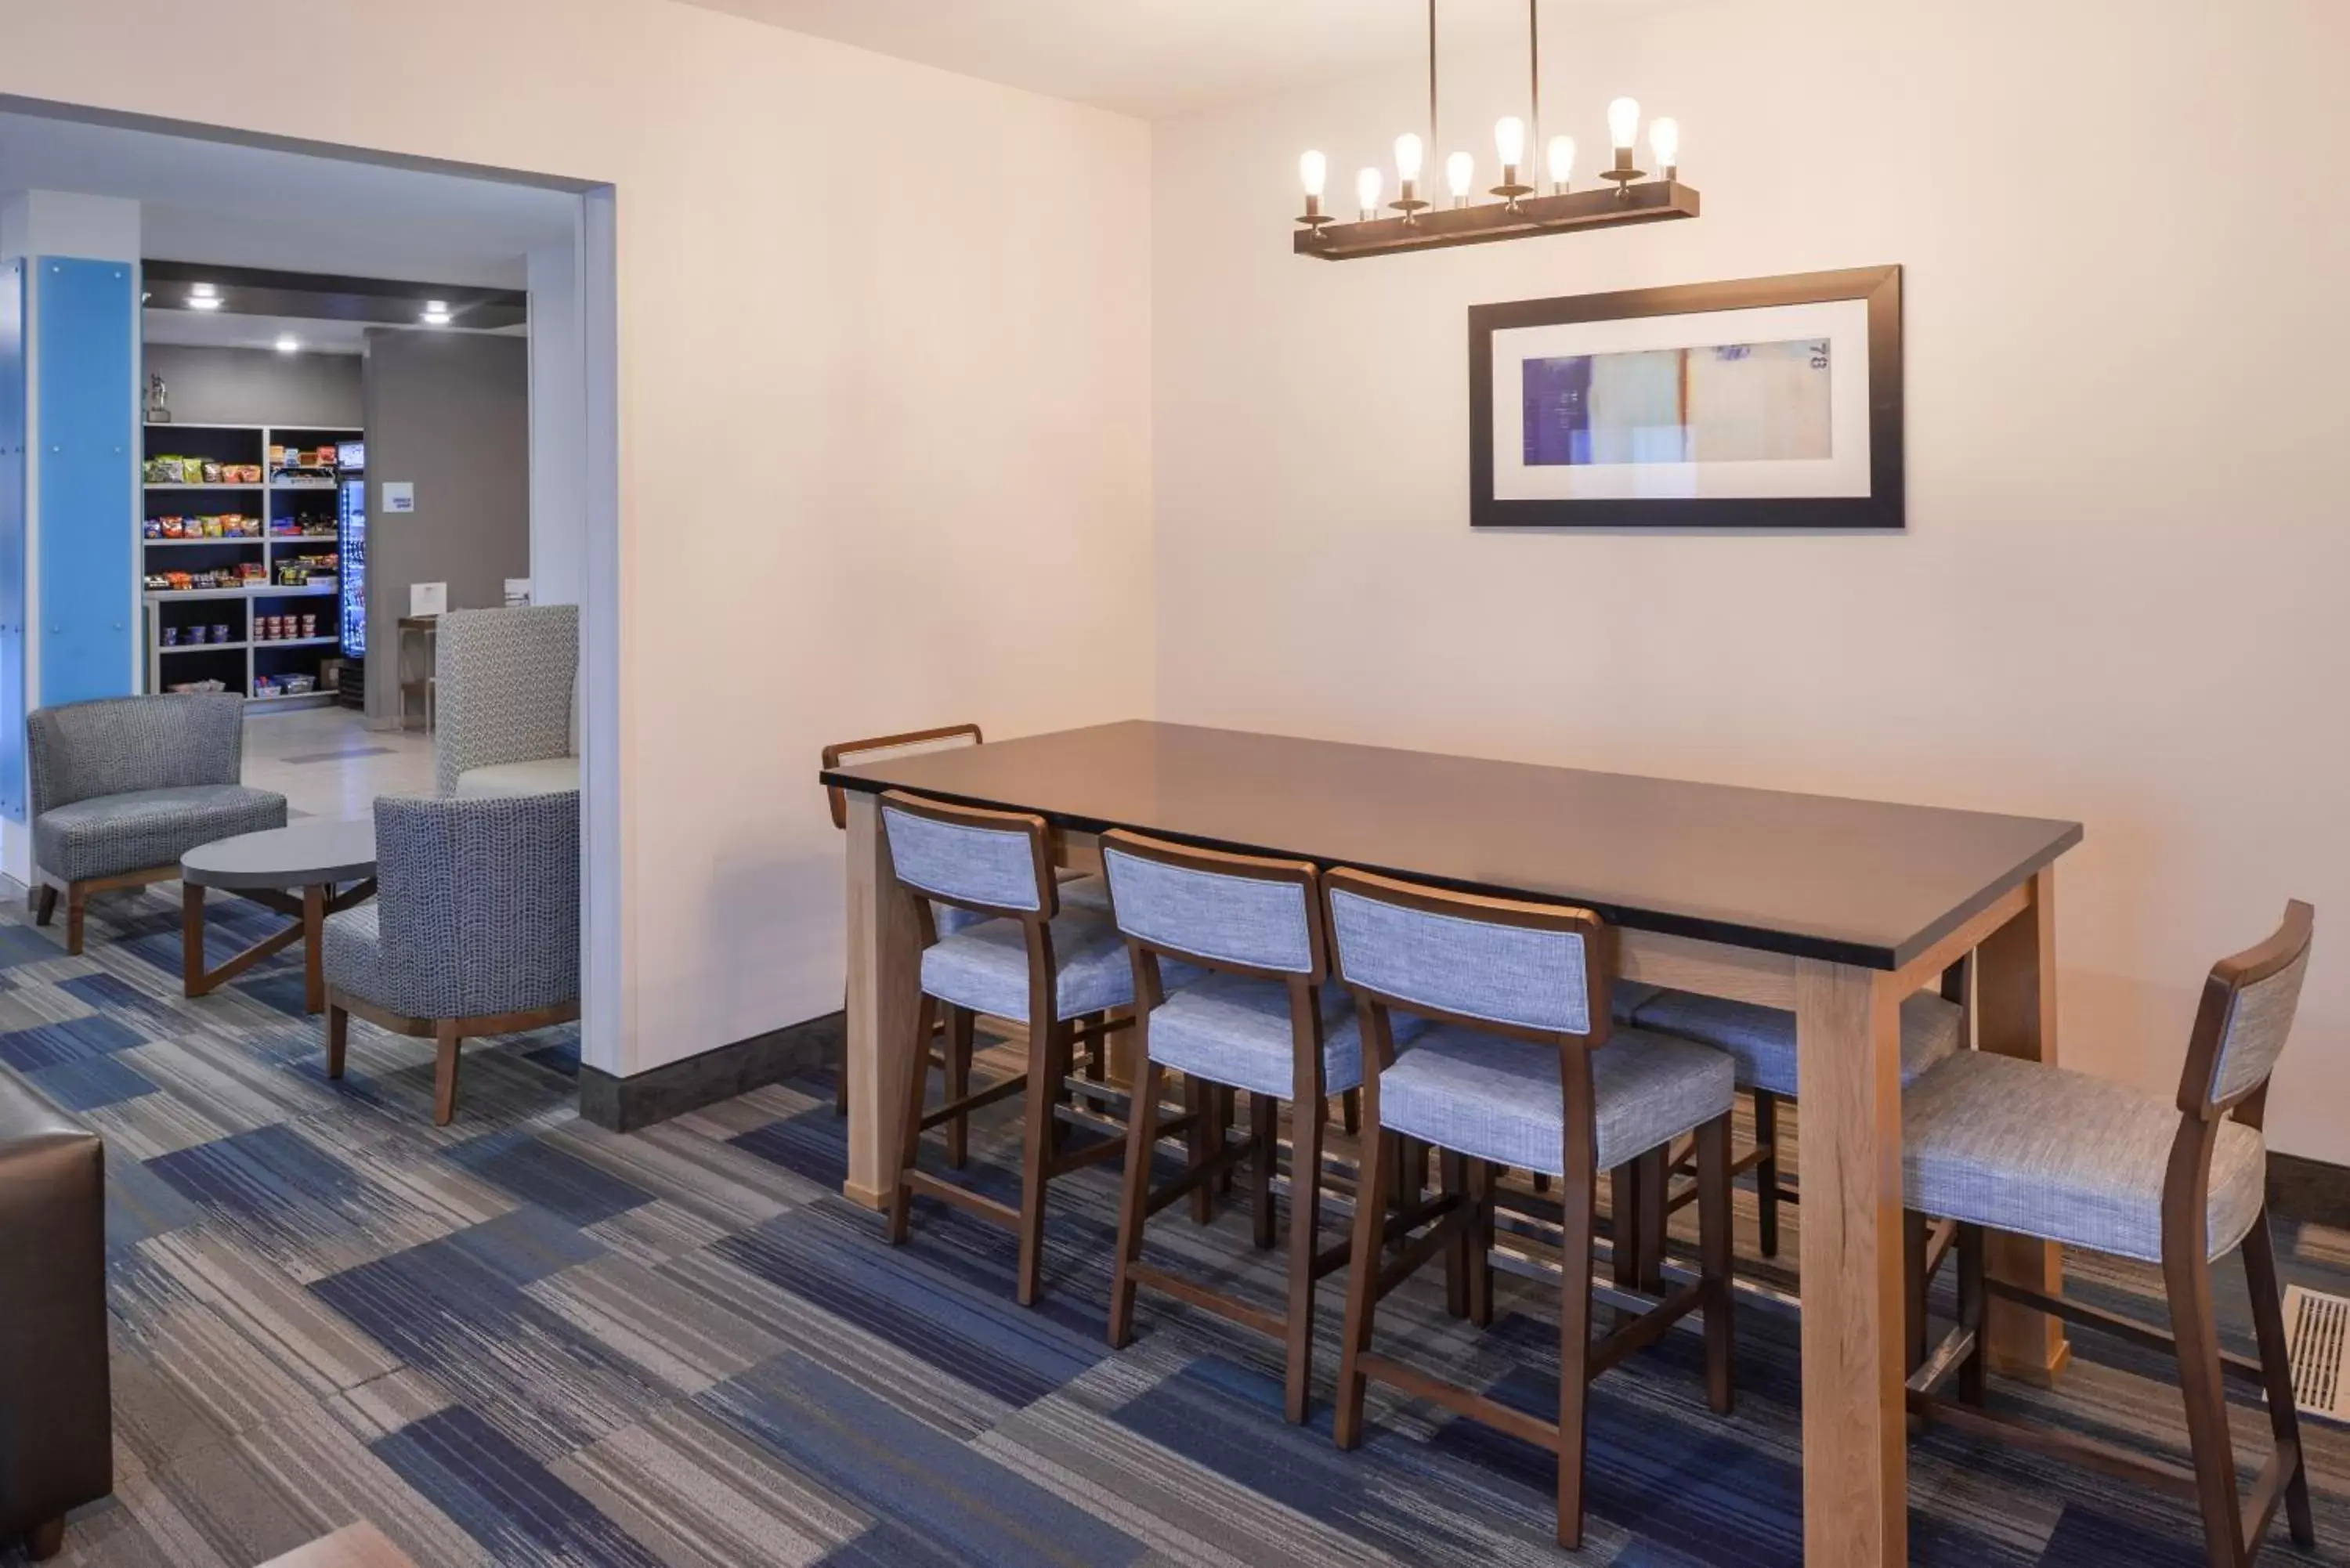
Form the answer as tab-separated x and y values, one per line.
1826	950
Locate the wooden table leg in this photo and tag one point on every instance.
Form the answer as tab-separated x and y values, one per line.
2015	1015
1849	1073
192	940
884	958
314	941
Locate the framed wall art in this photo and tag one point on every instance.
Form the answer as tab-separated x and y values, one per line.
1770	403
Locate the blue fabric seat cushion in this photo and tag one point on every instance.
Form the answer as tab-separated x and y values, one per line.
2041	1151
1235	1029
984	967
1762	1039
1498	1099
107	834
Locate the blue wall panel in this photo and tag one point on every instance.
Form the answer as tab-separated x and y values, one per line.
86	402
12	540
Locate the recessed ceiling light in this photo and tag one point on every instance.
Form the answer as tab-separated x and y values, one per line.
202	290
438	315
289	343
204	302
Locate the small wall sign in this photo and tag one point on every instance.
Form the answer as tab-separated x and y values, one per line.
399	497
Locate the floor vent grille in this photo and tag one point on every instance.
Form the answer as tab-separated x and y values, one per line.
2318	1327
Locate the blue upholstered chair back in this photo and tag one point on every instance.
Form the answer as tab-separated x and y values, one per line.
1222	918
2252	1037
1487	971
119	744
965	862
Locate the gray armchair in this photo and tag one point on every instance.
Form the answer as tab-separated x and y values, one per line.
474	928
123	786
507	701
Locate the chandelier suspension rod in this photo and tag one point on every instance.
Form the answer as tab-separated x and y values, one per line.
1435	147
1534	54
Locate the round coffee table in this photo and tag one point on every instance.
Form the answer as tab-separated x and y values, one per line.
311	858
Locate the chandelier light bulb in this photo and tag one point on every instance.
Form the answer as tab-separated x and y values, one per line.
1665	141
1366	190
1561	162
1313	172
1459	173
1624	123
1510	141
1409	156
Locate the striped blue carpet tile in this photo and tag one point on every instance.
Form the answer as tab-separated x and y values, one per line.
504	1498
70	1040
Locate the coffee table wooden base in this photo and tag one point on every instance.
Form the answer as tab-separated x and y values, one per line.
309	914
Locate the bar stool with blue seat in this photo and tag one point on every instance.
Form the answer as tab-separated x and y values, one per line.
1761	1041
1520	1069
2001	1143
1027	958
1259	1018
950	919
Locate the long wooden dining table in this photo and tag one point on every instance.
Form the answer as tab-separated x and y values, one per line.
1834	909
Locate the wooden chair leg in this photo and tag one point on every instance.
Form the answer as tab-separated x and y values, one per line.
910	1119
1048	1061
1656	1187
1371	1192
1767	1170
1097	1052
1575	1201
2187	1276
446	1044
1452	1180
2276	1372
338	1037
1134	1200
1714	1262
959	1043
1201	1143
1228	1117
1973	1300
1541	1180
1350	1107
1264	1131
45	907
76	901
46	1540
1307	1125
1624	1228
1478	1244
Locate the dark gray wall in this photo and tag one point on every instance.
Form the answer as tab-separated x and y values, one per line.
257	386
448	412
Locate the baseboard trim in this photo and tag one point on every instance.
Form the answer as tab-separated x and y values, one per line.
673	1088
2311	1189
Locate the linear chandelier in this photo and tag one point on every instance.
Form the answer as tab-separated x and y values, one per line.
1522	211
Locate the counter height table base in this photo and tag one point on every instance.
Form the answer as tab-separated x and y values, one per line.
1835	910
307	872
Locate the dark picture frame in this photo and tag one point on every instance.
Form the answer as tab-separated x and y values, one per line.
1882	508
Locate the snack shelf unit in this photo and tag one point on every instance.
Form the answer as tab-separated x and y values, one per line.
242	660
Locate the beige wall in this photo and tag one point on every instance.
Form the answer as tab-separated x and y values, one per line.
2120	597
885	353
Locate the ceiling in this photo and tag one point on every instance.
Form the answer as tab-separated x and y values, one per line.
1159	59
235	205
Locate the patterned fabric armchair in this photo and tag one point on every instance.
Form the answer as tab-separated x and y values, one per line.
123	786
474	928
508	706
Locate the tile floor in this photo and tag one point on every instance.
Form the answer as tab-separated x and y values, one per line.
325	762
